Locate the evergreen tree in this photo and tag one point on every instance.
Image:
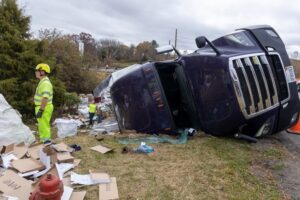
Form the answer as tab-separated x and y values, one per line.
18	55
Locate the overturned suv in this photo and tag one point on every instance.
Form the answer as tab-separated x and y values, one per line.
241	83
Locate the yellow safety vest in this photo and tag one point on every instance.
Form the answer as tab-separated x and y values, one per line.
44	89
92	108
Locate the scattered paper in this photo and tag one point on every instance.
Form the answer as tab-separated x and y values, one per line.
101	149
81	179
67	181
46	160
7	159
28	173
6	197
67	193
62	168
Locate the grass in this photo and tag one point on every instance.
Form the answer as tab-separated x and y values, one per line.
204	168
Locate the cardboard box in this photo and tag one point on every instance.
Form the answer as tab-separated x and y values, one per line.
109	191
12	184
27	165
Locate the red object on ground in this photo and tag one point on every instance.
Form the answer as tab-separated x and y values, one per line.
50	188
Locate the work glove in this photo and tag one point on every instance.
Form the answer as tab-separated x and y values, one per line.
39	113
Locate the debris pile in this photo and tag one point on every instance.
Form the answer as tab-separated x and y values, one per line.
24	168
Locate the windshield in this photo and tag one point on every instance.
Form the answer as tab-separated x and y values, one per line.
241	38
238	39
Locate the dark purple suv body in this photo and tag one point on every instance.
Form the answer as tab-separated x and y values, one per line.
246	86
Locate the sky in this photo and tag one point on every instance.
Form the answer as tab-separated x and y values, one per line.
135	21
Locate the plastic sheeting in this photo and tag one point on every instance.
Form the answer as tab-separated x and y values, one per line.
156	139
12	129
105	126
66	127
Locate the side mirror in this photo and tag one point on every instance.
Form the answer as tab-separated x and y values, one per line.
167	49
200	41
164	49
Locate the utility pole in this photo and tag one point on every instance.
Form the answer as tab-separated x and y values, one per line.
175	37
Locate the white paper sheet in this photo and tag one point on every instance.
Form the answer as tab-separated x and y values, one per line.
67	193
46	161
81	179
7	158
63	168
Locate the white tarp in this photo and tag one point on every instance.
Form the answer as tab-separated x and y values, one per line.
66	127
12	129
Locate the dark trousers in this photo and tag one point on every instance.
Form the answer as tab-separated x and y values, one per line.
91	118
99	118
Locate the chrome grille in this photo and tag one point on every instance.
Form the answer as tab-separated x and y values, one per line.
254	84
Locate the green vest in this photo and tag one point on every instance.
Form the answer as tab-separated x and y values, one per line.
92	108
44	89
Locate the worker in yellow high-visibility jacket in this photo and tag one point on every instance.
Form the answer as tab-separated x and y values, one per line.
92	111
43	101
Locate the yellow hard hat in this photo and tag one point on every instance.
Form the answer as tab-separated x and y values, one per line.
44	67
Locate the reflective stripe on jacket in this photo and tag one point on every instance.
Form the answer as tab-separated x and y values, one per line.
92	108
44	89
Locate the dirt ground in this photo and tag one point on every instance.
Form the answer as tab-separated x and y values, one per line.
288	176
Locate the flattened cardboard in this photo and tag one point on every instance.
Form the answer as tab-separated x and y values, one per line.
27	165
7	148
78	195
34	149
101	149
12	184
76	162
64	157
20	150
50	152
62	147
109	191
99	177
